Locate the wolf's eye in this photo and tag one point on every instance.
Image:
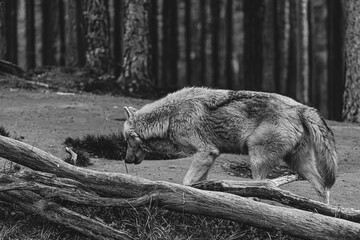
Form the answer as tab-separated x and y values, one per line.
134	136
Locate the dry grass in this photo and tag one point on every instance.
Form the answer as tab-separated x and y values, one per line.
145	223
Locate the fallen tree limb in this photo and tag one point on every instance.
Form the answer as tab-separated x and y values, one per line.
185	199
51	187
269	190
73	191
73	155
53	212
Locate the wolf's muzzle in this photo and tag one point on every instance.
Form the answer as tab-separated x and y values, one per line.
133	160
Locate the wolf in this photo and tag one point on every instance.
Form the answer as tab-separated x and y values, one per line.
204	123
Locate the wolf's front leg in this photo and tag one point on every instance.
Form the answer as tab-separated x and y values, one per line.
200	166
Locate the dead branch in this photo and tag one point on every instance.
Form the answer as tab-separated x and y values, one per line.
72	154
184	199
284	180
268	190
53	212
51	187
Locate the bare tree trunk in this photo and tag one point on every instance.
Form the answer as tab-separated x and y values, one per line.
269	84
336	66
30	34
97	36
303	87
154	35
351	110
50	31
202	41
170	44
229	72
3	44
318	83
188	36
11	30
74	31
254	11
298	52
62	40
136	76
281	29
118	36
215	42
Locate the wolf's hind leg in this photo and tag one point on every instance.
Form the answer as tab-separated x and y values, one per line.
200	167
303	162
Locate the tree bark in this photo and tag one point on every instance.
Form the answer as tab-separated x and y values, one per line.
53	212
188	37
62	40
335	49
136	76
254	12
30	34
2	30
268	42
11	31
97	36
183	199
170	45
270	190
215	7
318	57
154	40
202	41
297	85
50	31
281	29
351	110
118	36
229	72
74	31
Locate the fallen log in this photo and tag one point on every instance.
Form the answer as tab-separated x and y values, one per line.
269	190
185	199
49	186
53	212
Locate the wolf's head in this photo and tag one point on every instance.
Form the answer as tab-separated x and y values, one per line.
135	152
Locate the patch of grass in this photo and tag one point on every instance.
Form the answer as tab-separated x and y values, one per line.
16	224
112	146
152	222
4	132
143	223
104	146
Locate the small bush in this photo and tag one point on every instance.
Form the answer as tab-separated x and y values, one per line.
4	132
112	146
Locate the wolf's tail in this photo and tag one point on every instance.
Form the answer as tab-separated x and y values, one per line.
323	143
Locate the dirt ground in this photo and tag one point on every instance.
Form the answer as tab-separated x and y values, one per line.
44	119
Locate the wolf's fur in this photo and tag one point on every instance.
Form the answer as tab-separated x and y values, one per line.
205	123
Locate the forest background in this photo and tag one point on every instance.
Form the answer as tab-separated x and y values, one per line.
295	48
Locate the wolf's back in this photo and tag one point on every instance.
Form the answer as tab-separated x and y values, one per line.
323	142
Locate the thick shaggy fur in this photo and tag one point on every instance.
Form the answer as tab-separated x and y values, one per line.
205	123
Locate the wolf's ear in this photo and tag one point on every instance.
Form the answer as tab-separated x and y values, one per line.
130	111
